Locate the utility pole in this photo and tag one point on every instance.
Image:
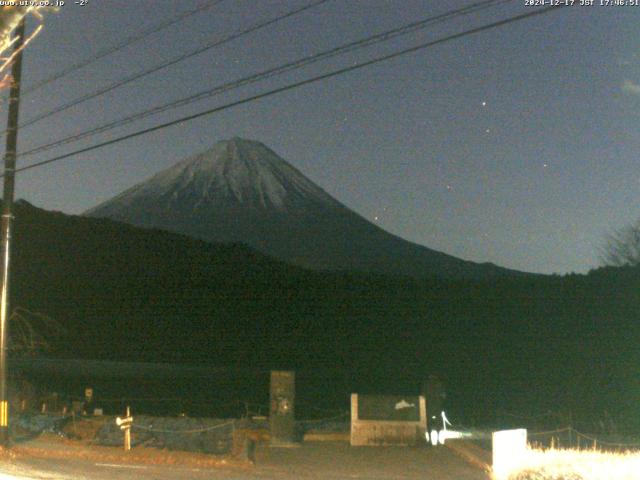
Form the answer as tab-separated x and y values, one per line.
7	221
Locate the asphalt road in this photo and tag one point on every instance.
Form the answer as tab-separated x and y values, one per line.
310	461
66	469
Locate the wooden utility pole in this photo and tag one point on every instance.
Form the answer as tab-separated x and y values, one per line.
7	221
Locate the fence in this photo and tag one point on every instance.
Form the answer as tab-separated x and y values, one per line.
569	437
207	435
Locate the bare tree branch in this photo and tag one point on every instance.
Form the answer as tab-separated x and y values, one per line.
30	332
622	247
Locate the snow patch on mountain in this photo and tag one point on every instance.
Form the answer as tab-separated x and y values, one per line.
241	171
241	191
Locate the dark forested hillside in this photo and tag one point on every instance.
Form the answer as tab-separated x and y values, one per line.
528	344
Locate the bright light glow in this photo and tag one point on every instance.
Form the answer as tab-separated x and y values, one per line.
509	450
10	18
4	476
439	437
447	434
7	61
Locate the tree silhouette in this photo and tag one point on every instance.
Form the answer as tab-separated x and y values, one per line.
31	333
622	248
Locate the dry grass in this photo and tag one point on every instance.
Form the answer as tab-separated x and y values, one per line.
556	464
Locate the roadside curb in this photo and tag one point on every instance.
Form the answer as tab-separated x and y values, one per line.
326	437
473	454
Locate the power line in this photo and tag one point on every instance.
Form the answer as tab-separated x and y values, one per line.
119	46
296	64
291	86
164	65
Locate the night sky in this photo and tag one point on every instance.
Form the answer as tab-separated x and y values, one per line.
518	145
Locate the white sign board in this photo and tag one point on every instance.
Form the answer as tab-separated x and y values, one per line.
509	450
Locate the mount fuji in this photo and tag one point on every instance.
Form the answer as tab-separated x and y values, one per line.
241	191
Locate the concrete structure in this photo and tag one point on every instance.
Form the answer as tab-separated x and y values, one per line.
282	408
388	420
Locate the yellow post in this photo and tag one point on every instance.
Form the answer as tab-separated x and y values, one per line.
127	434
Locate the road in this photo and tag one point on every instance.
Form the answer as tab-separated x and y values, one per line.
68	469
309	461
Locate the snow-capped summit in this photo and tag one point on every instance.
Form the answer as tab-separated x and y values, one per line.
241	191
236	171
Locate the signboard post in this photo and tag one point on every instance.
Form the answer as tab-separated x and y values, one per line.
125	425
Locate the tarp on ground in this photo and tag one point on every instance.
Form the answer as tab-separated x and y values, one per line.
207	435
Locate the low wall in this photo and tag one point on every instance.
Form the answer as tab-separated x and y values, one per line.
387	420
